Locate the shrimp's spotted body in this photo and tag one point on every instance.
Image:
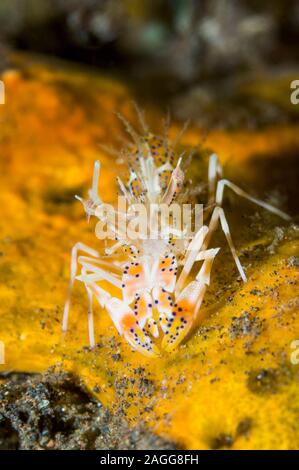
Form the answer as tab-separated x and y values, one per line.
158	300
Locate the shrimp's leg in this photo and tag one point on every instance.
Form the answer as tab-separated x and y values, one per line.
215	170
102	296
187	306
207	254
94	192
218	214
190	258
100	272
90	318
74	263
129	323
219	197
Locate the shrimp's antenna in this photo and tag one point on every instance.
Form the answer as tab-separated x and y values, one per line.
130	130
141	118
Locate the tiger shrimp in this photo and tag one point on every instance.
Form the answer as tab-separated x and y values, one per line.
158	299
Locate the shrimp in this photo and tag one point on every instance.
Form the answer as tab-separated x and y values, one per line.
160	281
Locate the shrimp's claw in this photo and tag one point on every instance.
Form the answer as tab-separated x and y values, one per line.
143	308
128	326
186	309
139	339
178	326
153	327
163	300
166	272
133	280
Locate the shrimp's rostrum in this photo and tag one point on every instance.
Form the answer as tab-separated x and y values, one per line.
158	298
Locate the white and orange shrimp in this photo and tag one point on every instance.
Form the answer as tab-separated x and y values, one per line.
156	300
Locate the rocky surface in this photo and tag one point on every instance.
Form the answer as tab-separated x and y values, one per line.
56	411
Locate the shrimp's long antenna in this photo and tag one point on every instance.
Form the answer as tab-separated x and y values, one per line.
141	117
181	133
166	128
130	130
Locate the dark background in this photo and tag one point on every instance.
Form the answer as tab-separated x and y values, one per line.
169	46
